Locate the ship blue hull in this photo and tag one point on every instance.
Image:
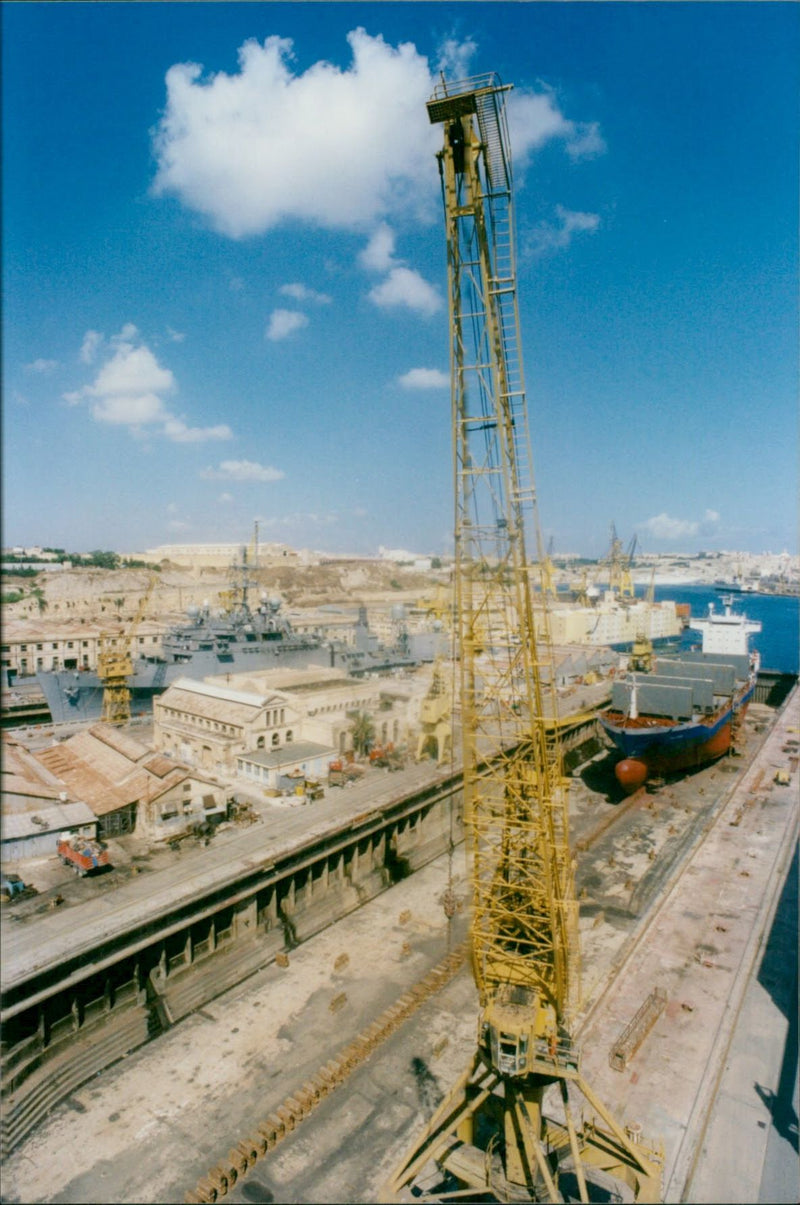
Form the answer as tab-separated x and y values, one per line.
650	748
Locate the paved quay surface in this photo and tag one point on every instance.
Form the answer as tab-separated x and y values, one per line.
758	1093
701	947
282	829
150	1127
147	1128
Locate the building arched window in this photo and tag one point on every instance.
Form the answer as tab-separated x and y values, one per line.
275	740
288	736
260	742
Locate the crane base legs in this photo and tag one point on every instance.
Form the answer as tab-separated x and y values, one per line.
490	1140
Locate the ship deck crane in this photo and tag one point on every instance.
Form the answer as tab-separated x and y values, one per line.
490	1138
115	664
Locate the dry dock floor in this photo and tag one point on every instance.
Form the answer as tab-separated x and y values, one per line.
150	1127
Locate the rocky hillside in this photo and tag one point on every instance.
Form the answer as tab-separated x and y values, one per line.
95	594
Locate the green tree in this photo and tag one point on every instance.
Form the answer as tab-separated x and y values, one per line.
103	560
363	733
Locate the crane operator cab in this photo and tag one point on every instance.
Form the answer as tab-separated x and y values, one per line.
518	1029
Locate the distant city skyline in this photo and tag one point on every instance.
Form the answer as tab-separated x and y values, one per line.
224	277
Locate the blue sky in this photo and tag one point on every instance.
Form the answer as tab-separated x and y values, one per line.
224	274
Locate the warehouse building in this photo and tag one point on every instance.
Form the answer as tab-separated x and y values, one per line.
207	724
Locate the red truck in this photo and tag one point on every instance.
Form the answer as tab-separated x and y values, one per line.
342	772
83	853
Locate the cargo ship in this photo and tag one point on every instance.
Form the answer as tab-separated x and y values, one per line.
614	622
681	713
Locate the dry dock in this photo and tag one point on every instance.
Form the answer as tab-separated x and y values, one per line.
189	1097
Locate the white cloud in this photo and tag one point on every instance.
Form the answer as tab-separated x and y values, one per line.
129	390
555	236
129	410
337	148
585	141
42	367
424	378
300	292
178	525
132	371
404	287
175	336
378	255
90	346
242	470
664	527
225	498
534	119
455	58
326	519
177	430
283	323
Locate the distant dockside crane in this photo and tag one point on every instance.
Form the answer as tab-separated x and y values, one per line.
115	665
490	1139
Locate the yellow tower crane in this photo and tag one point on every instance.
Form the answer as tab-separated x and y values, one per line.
435	719
115	664
620	565
548	582
490	1138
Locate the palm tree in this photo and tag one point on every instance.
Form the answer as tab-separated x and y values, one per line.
362	732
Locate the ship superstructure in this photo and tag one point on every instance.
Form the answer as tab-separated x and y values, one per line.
239	639
616	623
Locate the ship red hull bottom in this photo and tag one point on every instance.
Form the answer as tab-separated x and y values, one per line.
632	772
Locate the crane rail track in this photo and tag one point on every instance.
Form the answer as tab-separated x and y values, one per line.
296	1107
648	920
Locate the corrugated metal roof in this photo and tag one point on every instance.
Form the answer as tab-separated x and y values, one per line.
122	742
98	755
218	692
15	826
212	705
85	780
287	754
105	778
285	677
159	765
18	761
24	786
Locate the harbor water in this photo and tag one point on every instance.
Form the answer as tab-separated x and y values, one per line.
779	639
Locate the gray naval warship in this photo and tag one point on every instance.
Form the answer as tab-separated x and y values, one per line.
234	641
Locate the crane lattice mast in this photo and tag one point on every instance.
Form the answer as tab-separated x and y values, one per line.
490	1134
115	665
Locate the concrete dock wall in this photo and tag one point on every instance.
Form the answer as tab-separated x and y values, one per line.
68	1031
